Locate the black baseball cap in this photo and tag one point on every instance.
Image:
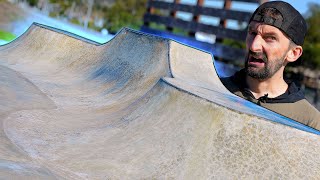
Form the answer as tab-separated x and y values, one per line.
293	24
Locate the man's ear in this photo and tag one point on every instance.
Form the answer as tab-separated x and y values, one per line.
294	53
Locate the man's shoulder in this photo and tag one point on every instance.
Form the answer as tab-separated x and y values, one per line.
232	83
308	108
226	80
301	111
229	84
312	113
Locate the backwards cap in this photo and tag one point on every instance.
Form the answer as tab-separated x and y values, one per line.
293	24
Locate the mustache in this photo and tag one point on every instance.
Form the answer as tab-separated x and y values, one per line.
258	55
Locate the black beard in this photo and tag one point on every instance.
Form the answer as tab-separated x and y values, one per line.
261	74
269	69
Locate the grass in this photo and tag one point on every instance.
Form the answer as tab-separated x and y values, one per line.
7	36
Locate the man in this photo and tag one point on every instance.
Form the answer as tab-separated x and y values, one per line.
275	37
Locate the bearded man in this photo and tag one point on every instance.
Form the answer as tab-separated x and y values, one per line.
275	36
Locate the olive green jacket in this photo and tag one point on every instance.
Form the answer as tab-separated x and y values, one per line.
291	104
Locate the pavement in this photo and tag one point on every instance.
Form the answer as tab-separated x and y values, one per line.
136	107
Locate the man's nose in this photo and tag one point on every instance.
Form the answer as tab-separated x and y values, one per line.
256	44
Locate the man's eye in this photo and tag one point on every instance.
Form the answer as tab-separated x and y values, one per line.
271	38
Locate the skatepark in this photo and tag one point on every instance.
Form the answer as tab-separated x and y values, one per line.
136	107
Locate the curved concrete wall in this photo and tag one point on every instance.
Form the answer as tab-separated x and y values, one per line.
137	107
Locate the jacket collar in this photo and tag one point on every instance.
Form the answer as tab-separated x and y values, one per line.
293	94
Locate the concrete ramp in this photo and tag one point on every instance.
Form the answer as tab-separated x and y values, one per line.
137	107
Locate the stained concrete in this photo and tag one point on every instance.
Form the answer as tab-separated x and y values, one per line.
137	107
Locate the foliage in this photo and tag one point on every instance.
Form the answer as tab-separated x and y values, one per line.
180	31
7	36
75	21
234	43
64	5
311	53
116	14
127	13
33	2
53	14
161	27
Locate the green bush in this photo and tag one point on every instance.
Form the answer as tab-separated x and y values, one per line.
311	48
75	21
32	2
127	13
7	36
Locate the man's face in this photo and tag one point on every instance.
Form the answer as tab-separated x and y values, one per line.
267	49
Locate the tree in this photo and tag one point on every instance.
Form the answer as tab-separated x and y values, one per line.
32	2
311	53
127	13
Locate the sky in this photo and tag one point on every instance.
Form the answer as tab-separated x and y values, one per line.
301	5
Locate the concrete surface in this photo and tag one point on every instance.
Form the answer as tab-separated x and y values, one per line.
137	107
